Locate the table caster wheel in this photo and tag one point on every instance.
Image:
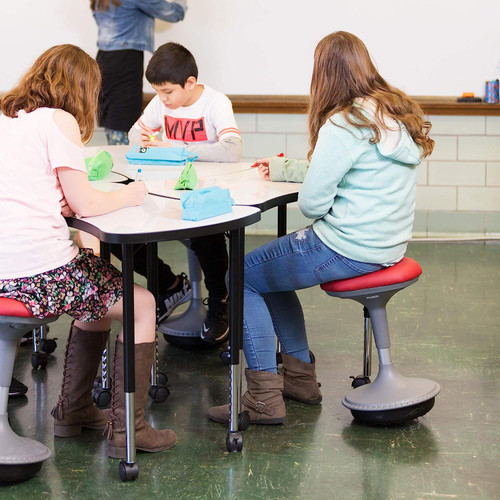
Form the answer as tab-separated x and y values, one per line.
97	382
243	421
39	360
48	345
158	393
359	380
162	378
128	472
225	357
234	442
101	397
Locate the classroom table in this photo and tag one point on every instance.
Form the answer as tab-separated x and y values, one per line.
160	219
247	188
127	171
244	182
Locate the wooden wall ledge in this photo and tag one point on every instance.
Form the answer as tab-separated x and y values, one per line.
298	104
432	105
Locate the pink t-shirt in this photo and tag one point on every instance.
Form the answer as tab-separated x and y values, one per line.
34	235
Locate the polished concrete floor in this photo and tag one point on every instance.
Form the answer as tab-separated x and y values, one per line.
445	327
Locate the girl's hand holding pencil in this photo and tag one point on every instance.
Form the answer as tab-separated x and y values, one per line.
263	167
135	193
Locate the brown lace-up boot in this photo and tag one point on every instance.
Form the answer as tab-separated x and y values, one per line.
263	400
74	408
300	380
146	438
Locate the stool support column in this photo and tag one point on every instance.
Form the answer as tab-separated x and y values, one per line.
20	458
188	324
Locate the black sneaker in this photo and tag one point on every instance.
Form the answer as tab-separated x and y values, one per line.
27	338
216	325
17	388
173	298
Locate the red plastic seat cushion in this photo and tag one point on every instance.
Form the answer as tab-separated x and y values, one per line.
405	270
12	307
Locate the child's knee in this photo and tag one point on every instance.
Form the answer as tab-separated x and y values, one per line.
145	303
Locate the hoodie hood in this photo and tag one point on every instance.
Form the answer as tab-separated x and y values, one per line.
395	141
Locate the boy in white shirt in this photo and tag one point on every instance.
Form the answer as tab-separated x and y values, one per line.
192	115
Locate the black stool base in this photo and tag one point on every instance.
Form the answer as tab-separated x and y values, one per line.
395	416
16	473
188	342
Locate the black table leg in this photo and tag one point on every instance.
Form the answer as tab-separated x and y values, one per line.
281	220
234	438
128	467
281	232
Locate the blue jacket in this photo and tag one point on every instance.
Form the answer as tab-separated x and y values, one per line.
131	25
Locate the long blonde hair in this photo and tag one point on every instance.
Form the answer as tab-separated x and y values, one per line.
63	77
103	4
343	71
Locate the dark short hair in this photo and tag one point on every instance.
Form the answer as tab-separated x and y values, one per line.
172	63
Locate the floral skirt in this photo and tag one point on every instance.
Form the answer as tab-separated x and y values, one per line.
85	288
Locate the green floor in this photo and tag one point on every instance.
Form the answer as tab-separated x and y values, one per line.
445	327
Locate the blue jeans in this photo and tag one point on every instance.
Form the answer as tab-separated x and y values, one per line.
271	307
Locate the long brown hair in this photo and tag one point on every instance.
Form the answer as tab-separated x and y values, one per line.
344	71
63	77
103	4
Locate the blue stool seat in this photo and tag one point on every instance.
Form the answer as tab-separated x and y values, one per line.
20	458
391	398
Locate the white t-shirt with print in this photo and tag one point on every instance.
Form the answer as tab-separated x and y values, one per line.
210	119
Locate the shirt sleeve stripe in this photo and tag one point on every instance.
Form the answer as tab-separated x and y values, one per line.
230	130
145	127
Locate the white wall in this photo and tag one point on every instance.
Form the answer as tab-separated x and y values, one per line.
430	47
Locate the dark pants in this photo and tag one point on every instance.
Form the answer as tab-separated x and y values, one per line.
120	99
211	252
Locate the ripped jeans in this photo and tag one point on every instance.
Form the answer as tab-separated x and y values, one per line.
271	307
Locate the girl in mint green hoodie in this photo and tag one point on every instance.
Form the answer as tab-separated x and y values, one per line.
366	141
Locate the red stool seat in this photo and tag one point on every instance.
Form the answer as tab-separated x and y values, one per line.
405	270
12	307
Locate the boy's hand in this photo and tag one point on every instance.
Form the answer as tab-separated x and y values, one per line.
150	139
148	135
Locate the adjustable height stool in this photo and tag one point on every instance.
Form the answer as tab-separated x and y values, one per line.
20	458
183	329
391	398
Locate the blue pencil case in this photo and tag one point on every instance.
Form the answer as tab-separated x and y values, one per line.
207	202
139	155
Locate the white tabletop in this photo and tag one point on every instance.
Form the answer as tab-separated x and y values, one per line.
246	187
159	219
122	167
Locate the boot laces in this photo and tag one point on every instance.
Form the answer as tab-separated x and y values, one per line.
112	418
58	412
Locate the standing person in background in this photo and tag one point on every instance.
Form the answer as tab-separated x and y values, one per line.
125	31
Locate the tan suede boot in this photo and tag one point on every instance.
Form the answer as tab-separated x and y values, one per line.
263	400
75	408
300	380
146	438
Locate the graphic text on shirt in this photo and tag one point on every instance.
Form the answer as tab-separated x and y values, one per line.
185	129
